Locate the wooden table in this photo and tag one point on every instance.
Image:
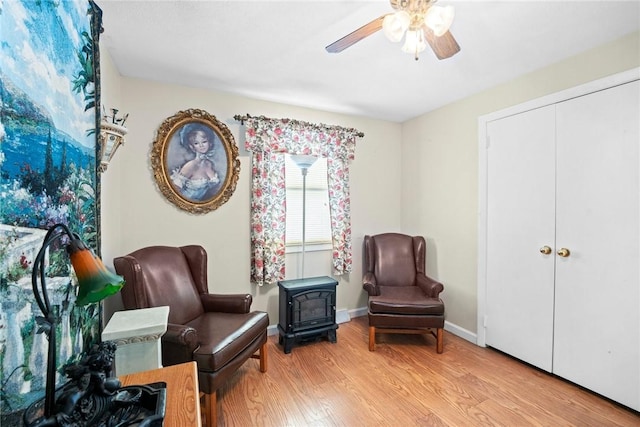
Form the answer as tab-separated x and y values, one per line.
183	396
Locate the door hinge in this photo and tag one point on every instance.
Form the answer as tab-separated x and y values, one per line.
485	321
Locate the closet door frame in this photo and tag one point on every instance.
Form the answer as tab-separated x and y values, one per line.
594	86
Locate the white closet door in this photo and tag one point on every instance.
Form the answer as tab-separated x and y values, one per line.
597	323
520	221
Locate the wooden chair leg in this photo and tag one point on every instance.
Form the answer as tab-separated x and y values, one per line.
440	340
372	338
210	411
263	357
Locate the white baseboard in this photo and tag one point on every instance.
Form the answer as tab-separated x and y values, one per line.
345	315
460	332
448	326
342	316
357	312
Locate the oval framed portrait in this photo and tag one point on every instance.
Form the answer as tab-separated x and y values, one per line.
195	161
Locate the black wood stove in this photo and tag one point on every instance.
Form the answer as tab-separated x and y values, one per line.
307	310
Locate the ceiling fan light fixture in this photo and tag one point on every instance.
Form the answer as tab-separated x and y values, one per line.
420	22
439	19
395	24
414	42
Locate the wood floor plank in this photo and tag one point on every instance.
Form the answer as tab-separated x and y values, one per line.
404	382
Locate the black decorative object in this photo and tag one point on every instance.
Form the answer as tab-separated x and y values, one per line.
92	397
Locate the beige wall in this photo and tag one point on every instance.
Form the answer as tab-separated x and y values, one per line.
110	181
135	214
440	167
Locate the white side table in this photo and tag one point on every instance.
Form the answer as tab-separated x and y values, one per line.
137	336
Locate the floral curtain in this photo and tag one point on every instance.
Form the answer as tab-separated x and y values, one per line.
268	140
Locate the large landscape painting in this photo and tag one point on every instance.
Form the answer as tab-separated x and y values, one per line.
49	91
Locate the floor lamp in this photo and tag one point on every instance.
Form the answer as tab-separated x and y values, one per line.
304	162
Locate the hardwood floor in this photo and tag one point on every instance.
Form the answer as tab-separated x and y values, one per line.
405	383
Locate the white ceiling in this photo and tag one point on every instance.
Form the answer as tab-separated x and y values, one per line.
274	50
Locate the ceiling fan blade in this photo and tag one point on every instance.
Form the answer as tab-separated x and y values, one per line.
354	37
444	46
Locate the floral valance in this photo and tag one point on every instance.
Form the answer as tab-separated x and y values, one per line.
299	137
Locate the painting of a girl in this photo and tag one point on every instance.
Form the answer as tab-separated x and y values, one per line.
195	161
197	178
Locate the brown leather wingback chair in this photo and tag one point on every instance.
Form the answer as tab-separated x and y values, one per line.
402	298
217	331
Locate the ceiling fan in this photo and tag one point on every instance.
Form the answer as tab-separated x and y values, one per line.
418	21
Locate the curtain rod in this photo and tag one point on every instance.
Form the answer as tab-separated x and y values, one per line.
242	119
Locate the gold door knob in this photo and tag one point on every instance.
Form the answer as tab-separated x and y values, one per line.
545	250
564	252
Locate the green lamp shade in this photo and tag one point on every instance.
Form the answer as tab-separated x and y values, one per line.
95	282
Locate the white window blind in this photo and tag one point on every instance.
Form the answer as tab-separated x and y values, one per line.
318	222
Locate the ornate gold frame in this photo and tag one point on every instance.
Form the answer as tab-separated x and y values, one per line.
169	152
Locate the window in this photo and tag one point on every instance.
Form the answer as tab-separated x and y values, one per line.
266	140
318	222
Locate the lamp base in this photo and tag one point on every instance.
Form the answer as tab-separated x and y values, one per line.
141	405
93	398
